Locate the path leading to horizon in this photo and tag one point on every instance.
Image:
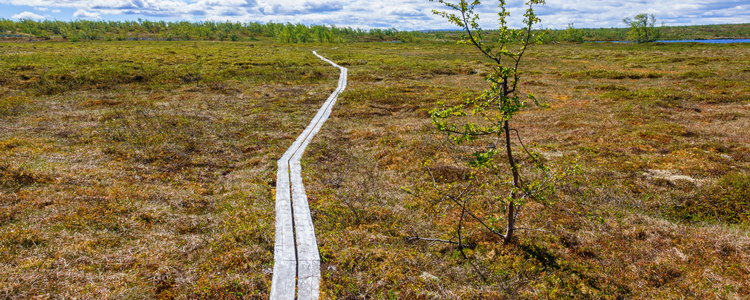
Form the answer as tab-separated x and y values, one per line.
296	257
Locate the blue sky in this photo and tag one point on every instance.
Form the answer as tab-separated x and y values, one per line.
403	15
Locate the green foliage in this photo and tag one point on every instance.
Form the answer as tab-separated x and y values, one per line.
82	30
62	67
573	34
642	28
203	215
611	74
13	106
502	100
496	106
696	74
726	201
612	87
695	32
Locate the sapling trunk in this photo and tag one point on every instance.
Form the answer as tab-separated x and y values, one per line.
511	207
502	100
511	220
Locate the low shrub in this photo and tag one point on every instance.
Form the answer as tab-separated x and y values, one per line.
726	201
696	75
611	74
13	106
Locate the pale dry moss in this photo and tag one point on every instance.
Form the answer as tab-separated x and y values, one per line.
193	230
105	216
619	245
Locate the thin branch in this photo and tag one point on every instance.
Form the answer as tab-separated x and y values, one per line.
458	231
317	211
525	45
450	141
546	176
542	186
416	238
473	40
434	183
484	279
350	204
469	134
524	146
478	219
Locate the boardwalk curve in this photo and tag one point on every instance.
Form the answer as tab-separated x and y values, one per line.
296	269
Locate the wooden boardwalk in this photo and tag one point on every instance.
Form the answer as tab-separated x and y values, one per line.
296	269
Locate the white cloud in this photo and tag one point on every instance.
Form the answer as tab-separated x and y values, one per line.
609	13
82	14
403	15
27	15
41	8
297	7
404	11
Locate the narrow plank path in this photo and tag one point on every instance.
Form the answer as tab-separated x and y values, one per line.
296	269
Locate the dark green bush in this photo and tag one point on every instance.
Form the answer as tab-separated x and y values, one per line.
726	201
611	74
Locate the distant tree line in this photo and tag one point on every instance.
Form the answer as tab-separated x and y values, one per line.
83	30
80	30
640	29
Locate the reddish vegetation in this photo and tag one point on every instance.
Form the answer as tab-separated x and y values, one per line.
145	170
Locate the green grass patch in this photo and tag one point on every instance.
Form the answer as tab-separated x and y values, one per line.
146	170
14	105
611	74
696	74
726	201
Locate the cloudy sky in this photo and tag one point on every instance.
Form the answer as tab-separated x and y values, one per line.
402	15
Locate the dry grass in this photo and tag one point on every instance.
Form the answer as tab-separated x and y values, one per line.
622	112
162	187
155	189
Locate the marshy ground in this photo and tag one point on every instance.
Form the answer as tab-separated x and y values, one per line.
145	170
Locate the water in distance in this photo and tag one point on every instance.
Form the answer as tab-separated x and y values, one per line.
717	41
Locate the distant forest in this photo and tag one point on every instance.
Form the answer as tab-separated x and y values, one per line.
695	32
83	30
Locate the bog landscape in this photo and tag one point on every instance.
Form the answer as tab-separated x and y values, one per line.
138	161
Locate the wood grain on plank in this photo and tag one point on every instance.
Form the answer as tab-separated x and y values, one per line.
296	255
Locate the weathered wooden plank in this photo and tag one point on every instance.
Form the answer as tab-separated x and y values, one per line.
308	282
284	279
285	257
284	244
296	256
307	246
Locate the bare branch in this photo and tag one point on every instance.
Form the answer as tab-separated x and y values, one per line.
473	40
416	238
524	146
434	183
484	279
478	219
460	225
